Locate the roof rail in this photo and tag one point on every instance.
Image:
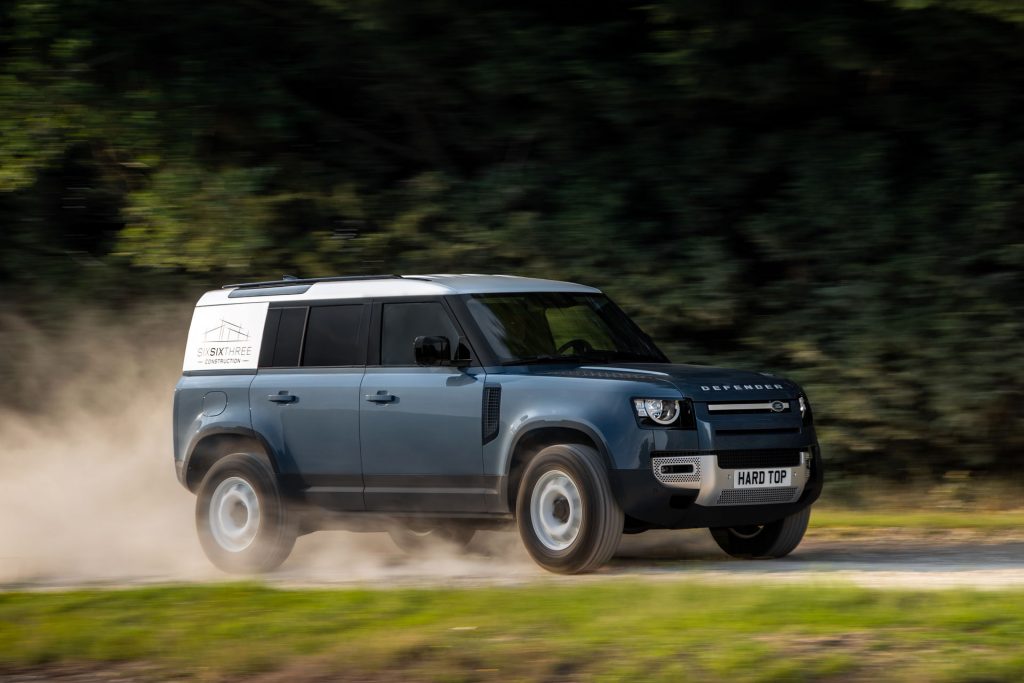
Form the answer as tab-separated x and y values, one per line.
307	281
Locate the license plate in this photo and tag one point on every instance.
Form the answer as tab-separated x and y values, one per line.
758	479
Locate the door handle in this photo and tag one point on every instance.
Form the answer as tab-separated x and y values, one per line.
283	397
380	397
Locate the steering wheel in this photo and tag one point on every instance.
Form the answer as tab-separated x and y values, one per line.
578	346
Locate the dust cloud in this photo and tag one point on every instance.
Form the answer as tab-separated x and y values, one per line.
88	494
87	490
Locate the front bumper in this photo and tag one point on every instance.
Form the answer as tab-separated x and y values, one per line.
675	498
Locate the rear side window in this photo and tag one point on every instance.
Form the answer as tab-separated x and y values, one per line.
282	337
402	323
332	336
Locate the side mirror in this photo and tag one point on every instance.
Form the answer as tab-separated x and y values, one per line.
432	351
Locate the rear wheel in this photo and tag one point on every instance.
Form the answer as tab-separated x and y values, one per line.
763	541
567	517
243	521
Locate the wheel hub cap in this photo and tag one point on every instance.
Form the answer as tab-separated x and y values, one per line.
556	510
234	514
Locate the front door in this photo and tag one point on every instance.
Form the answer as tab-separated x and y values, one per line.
420	426
306	400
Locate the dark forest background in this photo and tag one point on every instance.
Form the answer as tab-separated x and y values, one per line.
833	190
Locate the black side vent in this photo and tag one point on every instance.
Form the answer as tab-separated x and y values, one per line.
491	412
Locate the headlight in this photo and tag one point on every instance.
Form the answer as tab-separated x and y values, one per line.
659	410
805	410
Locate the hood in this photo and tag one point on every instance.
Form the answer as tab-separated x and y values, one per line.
703	382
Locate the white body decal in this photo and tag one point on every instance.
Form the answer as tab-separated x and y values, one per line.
225	337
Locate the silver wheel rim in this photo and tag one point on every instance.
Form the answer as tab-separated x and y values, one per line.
234	514
746	532
556	510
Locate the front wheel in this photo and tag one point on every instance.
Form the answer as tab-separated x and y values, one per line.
567	517
243	521
763	541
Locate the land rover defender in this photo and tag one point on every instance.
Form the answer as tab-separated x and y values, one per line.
438	405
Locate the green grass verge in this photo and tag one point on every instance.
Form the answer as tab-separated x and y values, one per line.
834	518
605	630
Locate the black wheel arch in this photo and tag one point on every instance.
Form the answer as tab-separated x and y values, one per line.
535	438
209	446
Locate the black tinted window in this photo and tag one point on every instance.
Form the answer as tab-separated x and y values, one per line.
332	336
552	326
289	337
270	337
402	323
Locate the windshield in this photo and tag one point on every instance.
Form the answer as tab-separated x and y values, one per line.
560	327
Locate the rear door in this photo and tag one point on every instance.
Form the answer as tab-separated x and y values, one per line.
420	426
305	397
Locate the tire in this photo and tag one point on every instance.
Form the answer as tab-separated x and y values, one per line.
763	541
412	540
567	516
244	523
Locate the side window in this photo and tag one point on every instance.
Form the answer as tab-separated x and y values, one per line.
332	336
282	337
402	323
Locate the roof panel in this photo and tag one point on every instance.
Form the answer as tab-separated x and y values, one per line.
409	285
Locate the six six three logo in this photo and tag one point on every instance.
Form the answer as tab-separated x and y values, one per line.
225	343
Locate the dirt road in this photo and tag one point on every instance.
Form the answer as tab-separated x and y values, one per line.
876	558
880	559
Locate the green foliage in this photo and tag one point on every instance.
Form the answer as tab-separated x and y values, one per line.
183	217
830	190
668	631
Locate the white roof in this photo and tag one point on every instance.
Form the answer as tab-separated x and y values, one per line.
406	285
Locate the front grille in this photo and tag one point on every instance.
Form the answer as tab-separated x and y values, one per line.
491	412
749	408
757	496
757	432
664	469
737	460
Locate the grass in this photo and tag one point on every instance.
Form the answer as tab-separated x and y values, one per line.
827	517
606	630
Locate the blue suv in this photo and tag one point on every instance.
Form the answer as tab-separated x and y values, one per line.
437	405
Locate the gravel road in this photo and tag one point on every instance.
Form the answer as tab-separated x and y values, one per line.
893	558
878	559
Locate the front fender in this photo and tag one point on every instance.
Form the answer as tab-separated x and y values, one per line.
530	426
599	408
